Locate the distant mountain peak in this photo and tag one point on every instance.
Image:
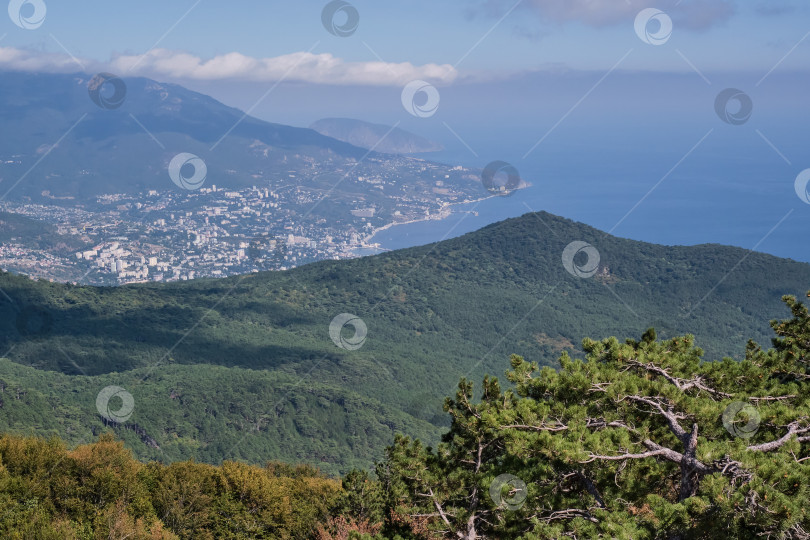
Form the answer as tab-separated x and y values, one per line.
153	121
378	136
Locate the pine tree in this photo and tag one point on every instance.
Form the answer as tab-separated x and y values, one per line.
641	439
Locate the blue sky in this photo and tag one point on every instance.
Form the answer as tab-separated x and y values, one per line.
236	51
715	35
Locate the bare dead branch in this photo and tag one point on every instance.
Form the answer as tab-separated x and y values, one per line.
535	427
669	414
627	455
681	384
793	429
772	398
442	513
569	513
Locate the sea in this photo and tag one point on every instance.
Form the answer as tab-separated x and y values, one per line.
701	184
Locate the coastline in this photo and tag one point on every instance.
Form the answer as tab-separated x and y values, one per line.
445	211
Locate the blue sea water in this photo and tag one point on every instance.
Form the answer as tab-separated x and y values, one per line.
697	184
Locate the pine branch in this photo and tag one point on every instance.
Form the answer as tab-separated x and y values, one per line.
681	384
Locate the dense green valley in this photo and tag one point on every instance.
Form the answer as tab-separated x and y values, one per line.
642	439
244	368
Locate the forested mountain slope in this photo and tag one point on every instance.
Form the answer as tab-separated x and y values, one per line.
433	313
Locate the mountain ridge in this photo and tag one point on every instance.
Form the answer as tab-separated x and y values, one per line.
126	146
434	313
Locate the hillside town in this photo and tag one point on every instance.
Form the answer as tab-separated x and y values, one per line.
160	236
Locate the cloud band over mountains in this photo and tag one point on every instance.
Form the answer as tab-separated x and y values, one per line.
323	68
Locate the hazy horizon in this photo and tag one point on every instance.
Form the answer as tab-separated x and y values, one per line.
608	114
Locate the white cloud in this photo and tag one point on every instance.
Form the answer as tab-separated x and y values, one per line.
300	66
23	60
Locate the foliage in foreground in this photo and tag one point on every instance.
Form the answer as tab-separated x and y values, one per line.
100	491
640	440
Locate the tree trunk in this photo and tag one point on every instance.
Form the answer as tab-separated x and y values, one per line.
690	477
472	534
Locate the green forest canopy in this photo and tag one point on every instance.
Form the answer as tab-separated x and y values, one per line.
641	439
250	359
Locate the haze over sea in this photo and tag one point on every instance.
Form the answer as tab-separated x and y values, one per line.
669	172
594	143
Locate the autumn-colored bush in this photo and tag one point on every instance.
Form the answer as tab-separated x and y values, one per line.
99	490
